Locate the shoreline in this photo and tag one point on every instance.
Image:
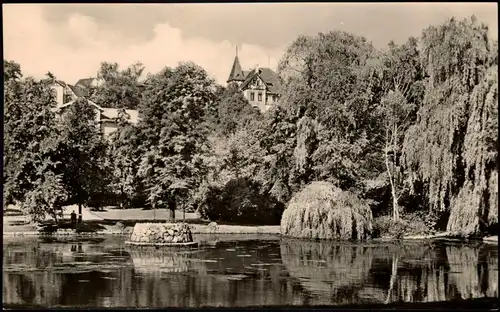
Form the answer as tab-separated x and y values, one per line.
248	230
195	229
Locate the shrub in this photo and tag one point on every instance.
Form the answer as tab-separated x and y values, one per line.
239	201
323	211
410	224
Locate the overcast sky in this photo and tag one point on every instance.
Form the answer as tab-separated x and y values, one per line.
71	40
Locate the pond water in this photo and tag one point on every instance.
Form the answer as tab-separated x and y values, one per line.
236	272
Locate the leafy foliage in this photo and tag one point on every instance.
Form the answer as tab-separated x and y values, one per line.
234	111
329	85
476	206
415	123
323	211
118	89
124	156
11	70
82	151
32	166
239	201
174	132
438	149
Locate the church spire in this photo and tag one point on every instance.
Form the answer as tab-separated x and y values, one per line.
236	71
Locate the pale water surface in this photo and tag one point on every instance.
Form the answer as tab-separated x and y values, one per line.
230	271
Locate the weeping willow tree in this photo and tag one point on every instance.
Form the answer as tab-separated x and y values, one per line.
476	206
323	211
451	150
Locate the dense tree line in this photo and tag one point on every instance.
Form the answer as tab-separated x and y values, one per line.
409	128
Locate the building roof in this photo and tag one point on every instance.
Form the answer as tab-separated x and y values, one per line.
72	102
270	78
77	90
112	113
109	113
236	71
59	82
85	82
80	90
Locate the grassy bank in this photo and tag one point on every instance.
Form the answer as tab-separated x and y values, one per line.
110	227
106	222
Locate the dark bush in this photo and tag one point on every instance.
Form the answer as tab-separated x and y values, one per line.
240	201
410	224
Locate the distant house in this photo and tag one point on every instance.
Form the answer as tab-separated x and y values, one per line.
261	86
66	95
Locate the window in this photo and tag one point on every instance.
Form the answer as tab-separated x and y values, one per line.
259	97
252	96
67	98
53	92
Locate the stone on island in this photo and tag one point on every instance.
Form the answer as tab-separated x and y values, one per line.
161	234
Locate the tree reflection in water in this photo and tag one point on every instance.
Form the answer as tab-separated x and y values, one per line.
331	272
244	273
343	273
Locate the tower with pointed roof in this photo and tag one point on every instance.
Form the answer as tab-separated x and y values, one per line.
236	75
261	86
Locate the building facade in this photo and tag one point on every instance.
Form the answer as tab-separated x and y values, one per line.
106	118
261	86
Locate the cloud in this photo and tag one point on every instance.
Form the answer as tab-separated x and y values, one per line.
72	40
74	49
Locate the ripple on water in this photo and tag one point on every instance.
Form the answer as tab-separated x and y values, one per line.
263	264
20	268
231	277
203	260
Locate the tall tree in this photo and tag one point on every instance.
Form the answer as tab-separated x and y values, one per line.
325	82
235	111
457	56
118	88
400	76
84	147
173	112
11	70
124	154
32	155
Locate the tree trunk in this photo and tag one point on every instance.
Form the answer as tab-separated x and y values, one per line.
80	217
122	198
394	156
154	211
395	208
184	212
171	207
55	216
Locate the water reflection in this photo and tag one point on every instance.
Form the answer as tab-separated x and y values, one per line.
329	272
106	273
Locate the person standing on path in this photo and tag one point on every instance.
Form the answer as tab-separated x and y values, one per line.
73	218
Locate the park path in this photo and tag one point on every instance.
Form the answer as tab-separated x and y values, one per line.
87	214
